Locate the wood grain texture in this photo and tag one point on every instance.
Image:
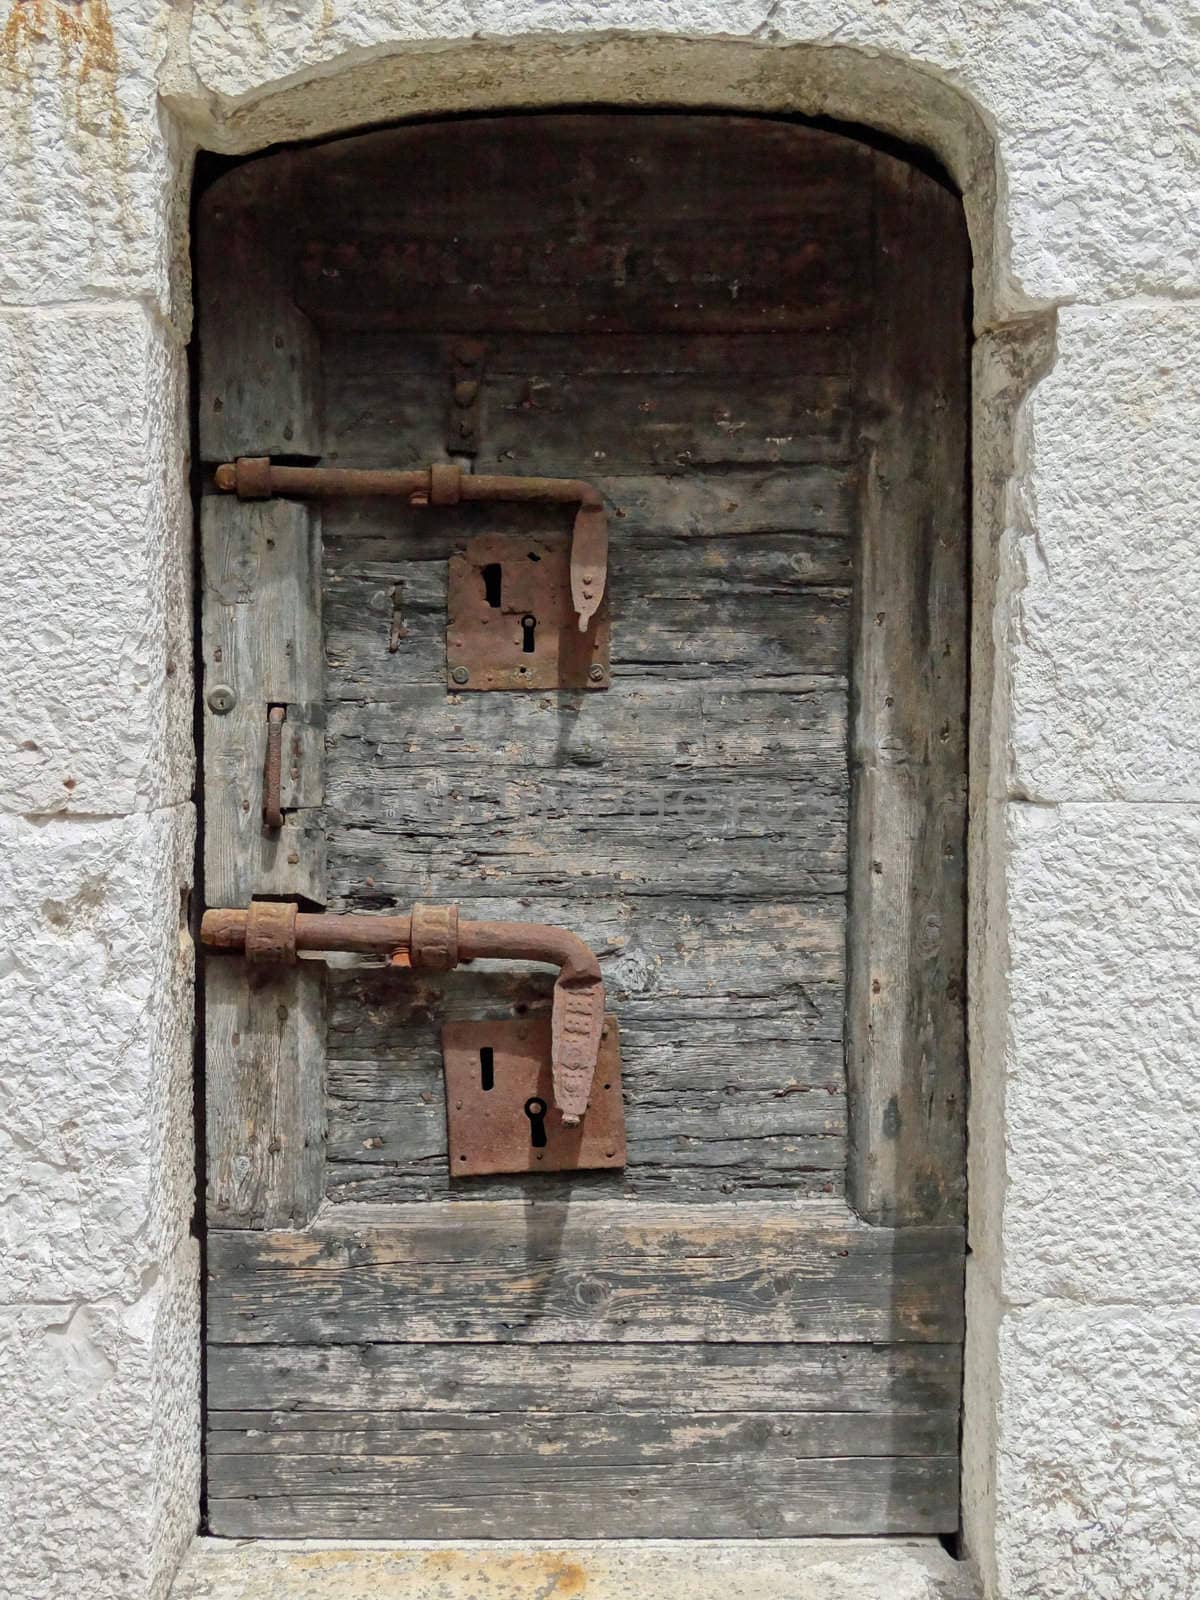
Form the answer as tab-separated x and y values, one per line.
531	226
264	1094
906	1037
257	355
578	1379
741	1494
512	1273
710	1340
261	639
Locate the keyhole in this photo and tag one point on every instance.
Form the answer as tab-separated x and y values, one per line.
491	584
487	1067
535	1110
528	624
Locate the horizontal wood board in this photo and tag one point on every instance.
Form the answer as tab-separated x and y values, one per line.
597	226
504	1272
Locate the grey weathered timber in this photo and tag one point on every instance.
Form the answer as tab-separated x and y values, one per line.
793	726
587	225
510	1273
372	1443
258	358
572	1379
261	645
684	1143
265	1094
262	640
694	630
905	1023
744	333
745	1494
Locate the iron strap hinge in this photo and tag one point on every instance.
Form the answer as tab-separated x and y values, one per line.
444	484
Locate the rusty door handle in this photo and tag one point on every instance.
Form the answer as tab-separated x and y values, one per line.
272	806
443	484
436	938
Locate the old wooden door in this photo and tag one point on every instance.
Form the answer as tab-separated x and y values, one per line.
752	337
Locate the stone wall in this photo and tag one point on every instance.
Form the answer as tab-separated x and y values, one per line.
1071	127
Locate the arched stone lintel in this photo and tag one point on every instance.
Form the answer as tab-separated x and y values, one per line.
892	95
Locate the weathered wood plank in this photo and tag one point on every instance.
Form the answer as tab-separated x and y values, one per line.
425	836
351	355
373	1446
668	420
739	1495
772	968
264	1094
813	503
680	224
906	1042
506	1272
577	1379
386	622
257	353
262	645
738	1116
631	422
752	1139
262	640
778	726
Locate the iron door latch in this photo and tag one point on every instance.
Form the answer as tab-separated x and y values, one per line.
444	484
437	939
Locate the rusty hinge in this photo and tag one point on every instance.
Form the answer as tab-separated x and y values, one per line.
437	939
444	484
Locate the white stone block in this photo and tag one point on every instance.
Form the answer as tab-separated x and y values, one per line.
95	539
1103	1072
1097	1490
99	1474
96	1166
1104	658
1090	105
89	204
601	1569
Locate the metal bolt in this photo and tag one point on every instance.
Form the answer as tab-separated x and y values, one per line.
221	699
460	675
596	672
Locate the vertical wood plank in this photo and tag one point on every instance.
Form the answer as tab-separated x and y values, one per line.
262	645
262	642
265	1094
906	1043
259	361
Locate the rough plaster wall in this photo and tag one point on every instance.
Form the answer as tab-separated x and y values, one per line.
1068	125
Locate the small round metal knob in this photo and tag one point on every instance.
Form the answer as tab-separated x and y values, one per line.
596	672
221	699
460	675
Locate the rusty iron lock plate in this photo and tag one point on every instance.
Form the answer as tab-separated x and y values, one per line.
511	622
500	1111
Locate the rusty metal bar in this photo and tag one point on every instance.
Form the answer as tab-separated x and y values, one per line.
437	939
272	807
443	484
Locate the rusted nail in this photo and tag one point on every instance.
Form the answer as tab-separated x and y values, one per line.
460	675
